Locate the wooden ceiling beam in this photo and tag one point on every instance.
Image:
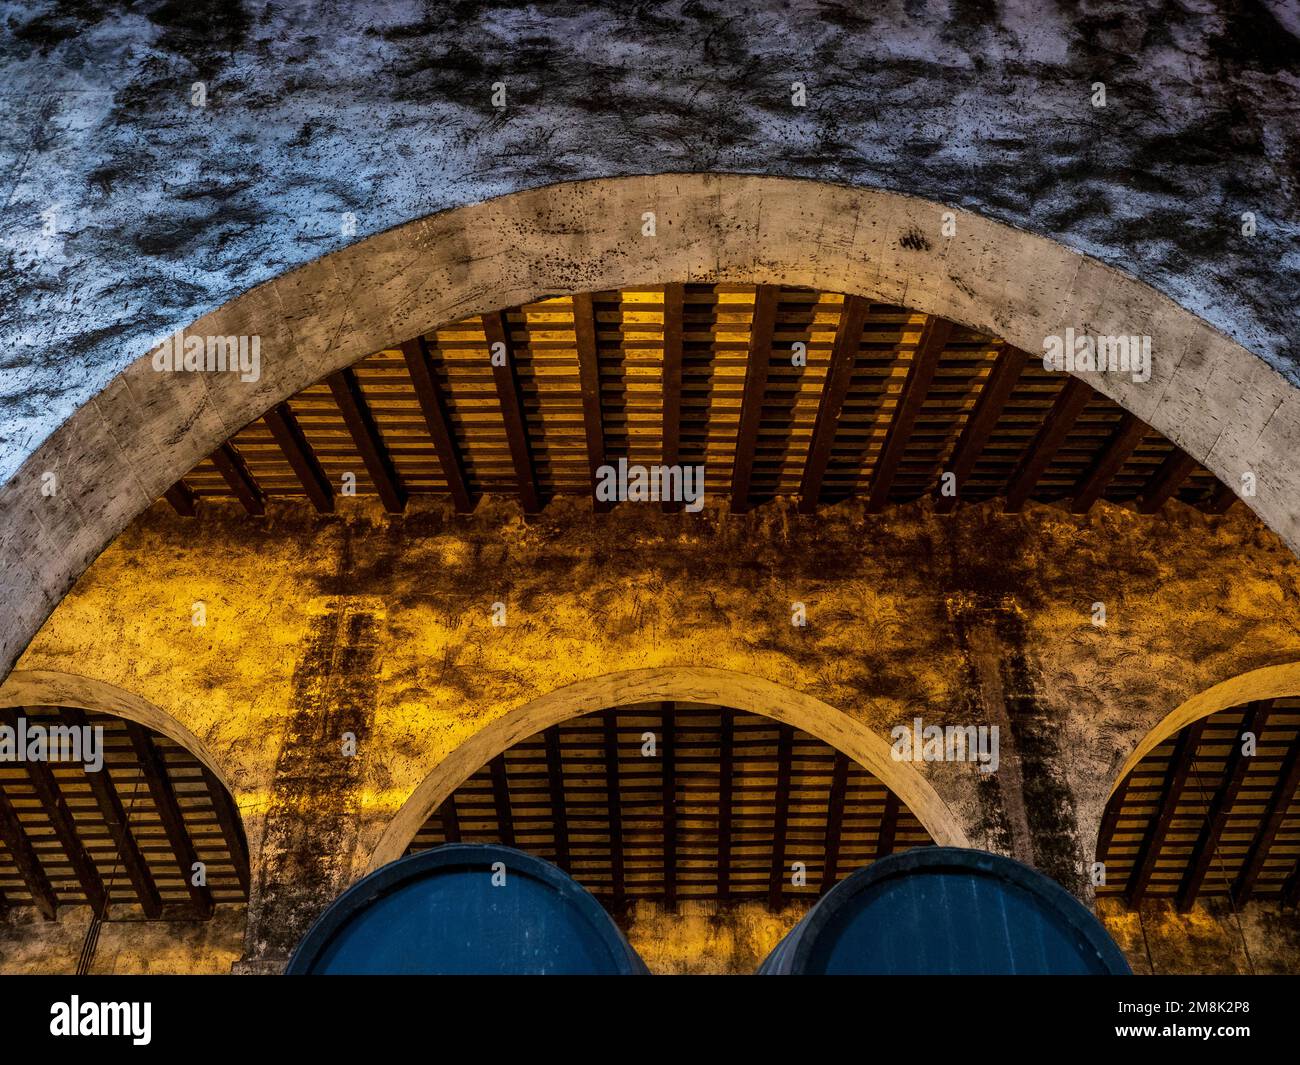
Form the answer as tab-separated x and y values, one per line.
674	343
888	826
24	856
501	799
450	821
1166	481
345	387
183	499
1275	813
1004	376
839	376
506	377
300	456
115	819
230	464
761	330
1070	401
1216	820
55	808
916	386
1180	764
437	419
227	814
559	807
154	771
726	795
593	415
780	815
834	821
668	762
613	796
1126	436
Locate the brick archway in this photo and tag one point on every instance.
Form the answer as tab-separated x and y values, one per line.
119	453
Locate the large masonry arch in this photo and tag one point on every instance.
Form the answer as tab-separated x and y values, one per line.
682	684
119	453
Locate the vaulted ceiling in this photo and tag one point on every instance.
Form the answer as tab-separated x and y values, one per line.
888	400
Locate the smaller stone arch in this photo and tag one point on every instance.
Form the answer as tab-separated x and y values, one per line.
672	684
1202	806
149	823
43	687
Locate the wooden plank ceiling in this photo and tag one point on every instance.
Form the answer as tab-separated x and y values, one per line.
721	810
702	374
127	835
1199	818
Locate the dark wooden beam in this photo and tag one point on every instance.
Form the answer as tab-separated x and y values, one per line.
593	415
437	419
55	809
780	815
24	856
154	772
1166	481
839	375
559	807
1180	764
1275	813
726	790
1221	499
236	473
916	386
311	475
888	826
1126	435
501	799
614	799
674	331
761	329
232	828
450	821
668	762
834	821
497	331
1216	819
183	499
1291	888
1070	401
982	421
351	401
1110	819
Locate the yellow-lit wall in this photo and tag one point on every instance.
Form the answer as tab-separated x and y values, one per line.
358	622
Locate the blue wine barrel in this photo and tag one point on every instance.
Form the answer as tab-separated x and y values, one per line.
948	910
438	912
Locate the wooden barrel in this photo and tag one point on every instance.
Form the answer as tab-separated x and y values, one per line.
949	910
466	909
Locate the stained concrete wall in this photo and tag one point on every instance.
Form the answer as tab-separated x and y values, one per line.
321	625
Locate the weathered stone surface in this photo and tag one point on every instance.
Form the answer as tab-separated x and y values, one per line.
161	211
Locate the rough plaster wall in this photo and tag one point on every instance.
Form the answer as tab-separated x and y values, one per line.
163	211
358	622
127	946
699	939
1211	939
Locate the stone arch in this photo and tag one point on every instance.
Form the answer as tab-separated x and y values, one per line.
1270	682
118	454
41	687
724	687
